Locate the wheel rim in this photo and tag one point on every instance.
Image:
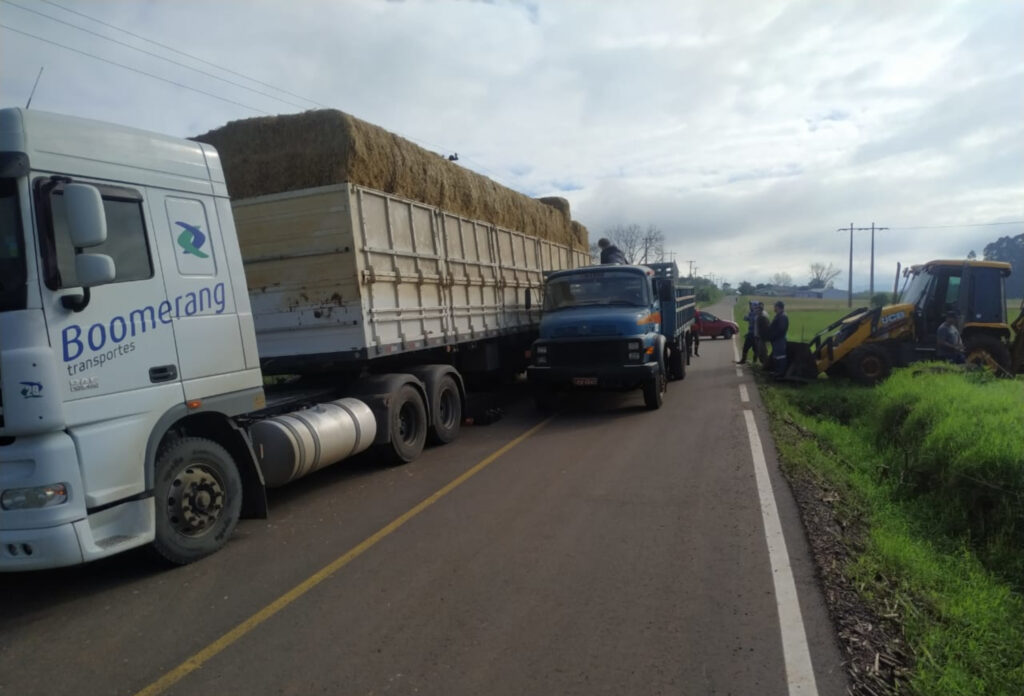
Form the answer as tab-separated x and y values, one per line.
981	357
871	366
408	428
195	500
447	408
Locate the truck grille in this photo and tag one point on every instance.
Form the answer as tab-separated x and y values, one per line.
587	353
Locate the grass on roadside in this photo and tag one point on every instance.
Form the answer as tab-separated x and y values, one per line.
961	612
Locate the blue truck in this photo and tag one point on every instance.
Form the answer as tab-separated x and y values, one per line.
612	327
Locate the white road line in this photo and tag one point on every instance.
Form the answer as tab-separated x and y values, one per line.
799	671
744	396
739	372
735	350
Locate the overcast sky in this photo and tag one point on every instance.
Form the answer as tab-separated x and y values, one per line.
747	131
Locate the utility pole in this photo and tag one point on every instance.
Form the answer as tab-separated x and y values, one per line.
690	261
872	285
849	282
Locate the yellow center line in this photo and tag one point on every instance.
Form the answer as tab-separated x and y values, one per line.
225	641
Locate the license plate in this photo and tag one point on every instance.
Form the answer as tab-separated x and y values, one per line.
584	381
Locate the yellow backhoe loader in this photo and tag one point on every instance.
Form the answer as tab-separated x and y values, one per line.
867	343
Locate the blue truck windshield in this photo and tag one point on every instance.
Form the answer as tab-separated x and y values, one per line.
610	287
12	249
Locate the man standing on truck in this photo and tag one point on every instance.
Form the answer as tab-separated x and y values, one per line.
948	344
610	253
777	335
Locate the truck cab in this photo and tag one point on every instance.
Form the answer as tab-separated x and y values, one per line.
611	327
124	323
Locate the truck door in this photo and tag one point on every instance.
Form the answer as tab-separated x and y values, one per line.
115	348
944	296
198	282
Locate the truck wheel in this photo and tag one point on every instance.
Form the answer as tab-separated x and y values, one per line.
654	391
198	497
868	365
447	412
407	424
677	363
990	352
727	333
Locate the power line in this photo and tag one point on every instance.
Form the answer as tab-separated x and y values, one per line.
478	165
968	224
183	53
135	70
155	55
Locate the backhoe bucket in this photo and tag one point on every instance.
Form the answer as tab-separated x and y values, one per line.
801	365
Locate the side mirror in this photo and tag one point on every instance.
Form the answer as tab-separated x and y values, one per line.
87	221
529	299
94	269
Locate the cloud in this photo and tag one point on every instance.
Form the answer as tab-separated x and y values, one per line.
749	132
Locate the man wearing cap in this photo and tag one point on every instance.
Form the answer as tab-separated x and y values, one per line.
948	344
610	253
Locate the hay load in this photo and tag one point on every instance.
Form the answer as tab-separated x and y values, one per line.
275	154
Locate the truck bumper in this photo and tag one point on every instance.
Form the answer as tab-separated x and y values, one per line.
65	534
592	377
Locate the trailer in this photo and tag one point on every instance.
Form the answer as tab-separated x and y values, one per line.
167	354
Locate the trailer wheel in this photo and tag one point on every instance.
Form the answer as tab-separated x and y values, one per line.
447	412
198	497
654	391
868	365
990	352
407	424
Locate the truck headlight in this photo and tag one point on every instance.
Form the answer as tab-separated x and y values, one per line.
634	355
541	350
633	345
33	498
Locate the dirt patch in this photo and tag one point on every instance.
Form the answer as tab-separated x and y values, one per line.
875	655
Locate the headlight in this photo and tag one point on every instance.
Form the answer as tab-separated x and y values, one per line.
37	497
634	355
633	345
541	350
542	359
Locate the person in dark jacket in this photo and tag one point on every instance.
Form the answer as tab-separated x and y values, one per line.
761	335
777	336
610	253
749	341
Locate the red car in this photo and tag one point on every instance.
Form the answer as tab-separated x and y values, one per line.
713	327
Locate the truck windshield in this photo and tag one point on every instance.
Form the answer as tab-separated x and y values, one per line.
596	288
12	249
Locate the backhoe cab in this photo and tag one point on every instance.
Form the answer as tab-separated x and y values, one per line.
867	343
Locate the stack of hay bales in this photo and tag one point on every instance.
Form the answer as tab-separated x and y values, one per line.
275	154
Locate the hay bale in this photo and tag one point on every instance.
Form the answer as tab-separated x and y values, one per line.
559	204
580	235
275	154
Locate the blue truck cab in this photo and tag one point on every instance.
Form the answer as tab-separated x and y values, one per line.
612	327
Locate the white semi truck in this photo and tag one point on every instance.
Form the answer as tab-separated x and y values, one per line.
136	334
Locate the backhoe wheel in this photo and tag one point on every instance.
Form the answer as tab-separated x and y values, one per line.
868	365
198	496
654	391
990	352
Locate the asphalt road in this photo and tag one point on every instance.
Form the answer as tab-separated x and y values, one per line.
611	551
